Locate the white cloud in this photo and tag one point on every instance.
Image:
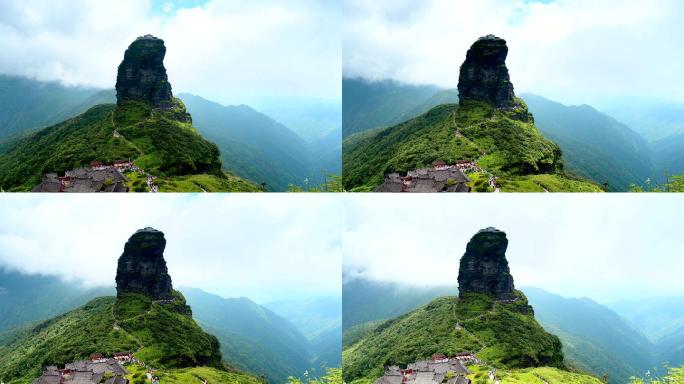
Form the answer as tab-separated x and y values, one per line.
573	51
599	246
266	247
231	51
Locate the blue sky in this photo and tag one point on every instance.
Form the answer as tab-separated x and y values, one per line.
606	247
229	51
168	7
579	51
266	247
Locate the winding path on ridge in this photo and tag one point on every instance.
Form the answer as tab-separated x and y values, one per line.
150	178
492	177
117	327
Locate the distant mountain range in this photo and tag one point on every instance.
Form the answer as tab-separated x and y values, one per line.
365	300
248	332
598	339
257	147
595	338
661	320
27	104
367	105
595	145
252	145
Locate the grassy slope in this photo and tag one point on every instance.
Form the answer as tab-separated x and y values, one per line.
499	141
158	141
502	334
162	335
541	375
191	375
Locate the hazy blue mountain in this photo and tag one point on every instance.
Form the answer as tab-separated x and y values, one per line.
594	145
594	338
326	348
661	123
310	119
653	119
312	317
28	104
668	155
251	334
661	320
320	320
370	104
365	300
326	158
252	145
26	299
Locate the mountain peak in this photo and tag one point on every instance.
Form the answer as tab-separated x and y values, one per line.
142	268
142	75
484	268
484	76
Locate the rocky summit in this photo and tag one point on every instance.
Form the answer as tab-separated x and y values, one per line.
484	268
142	75
484	76
142	268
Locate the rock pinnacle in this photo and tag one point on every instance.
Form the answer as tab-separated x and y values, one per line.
142	75
484	268
484	76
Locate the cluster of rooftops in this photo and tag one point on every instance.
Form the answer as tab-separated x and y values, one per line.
97	369
441	177
99	177
440	369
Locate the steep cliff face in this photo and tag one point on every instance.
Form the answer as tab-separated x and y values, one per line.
142	268
484	76
484	268
142	75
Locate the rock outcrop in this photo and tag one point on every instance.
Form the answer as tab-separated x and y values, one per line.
484	268
142	268
484	76
142	75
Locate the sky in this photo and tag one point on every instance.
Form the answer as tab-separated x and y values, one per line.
265	247
607	247
571	51
229	51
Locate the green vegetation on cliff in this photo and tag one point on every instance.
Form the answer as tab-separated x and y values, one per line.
163	335
673	376
162	142
502	334
192	375
504	142
540	375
